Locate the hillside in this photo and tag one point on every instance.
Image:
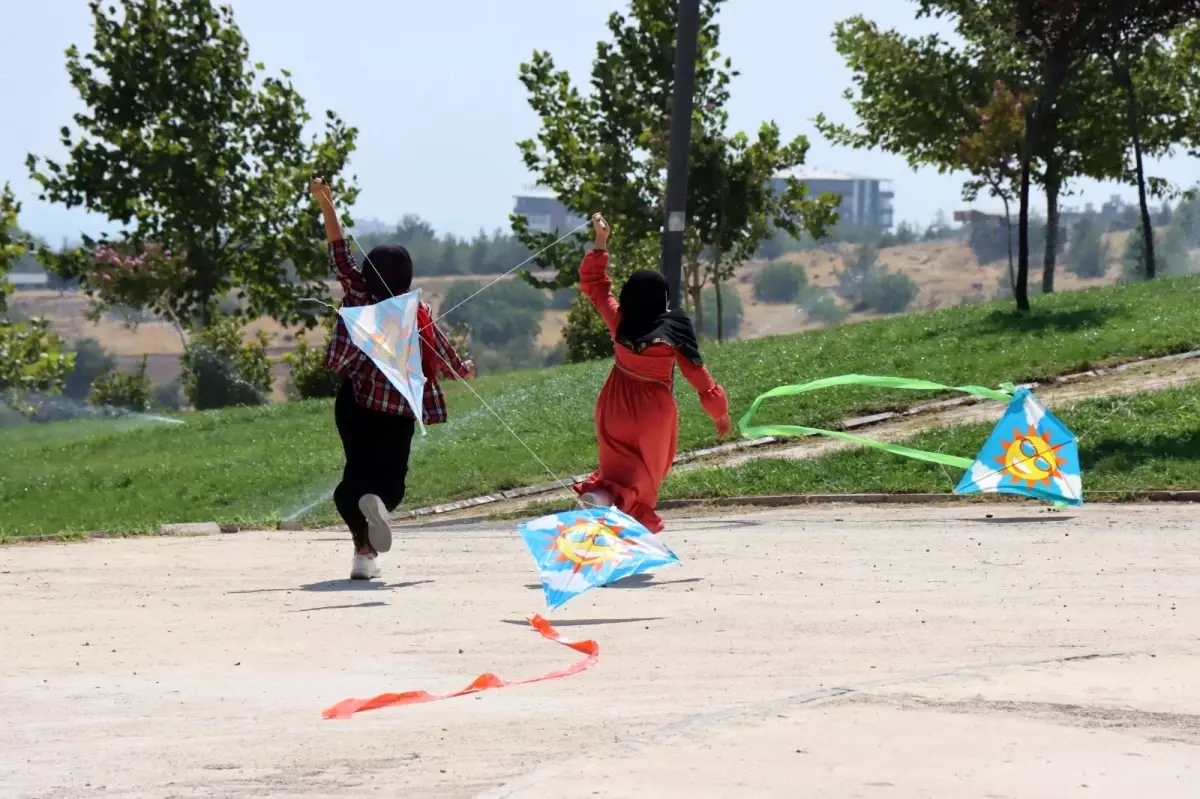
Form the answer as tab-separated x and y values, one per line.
255	465
947	273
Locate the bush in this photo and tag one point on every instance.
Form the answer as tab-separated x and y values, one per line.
1087	256
116	389
561	300
310	379
731	312
1172	255
780	282
32	358
884	291
91	361
506	313
169	396
221	369
822	307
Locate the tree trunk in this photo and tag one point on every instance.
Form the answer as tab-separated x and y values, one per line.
1021	291
720	307
1051	257
1012	277
1135	131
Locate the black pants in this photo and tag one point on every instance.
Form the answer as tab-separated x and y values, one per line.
376	446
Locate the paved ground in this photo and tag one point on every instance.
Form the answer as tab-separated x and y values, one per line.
840	652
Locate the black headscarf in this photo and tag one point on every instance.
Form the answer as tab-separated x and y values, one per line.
646	320
392	272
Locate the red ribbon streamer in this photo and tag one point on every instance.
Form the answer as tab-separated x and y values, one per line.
484	682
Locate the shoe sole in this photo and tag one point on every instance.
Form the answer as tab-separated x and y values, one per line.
379	529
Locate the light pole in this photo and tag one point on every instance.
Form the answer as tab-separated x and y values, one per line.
686	42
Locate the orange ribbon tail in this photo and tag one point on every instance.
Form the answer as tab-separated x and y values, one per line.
484	682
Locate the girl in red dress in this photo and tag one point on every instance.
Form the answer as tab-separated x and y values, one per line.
637	421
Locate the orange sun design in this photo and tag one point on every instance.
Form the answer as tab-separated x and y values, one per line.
589	544
1030	458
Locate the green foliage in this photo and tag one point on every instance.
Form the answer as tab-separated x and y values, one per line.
866	286
186	146
432	254
91	361
561	299
32	358
510	312
731	312
822	307
169	396
780	282
884	291
1172	253
607	150
308	376
1087	256
126	390
221	369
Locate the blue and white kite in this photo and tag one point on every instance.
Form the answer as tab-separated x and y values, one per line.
386	332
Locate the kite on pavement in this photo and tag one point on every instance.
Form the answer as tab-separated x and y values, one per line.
581	549
1030	452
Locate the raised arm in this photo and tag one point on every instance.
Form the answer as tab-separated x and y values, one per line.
593	277
341	257
712	397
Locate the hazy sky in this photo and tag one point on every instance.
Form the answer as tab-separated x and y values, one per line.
433	88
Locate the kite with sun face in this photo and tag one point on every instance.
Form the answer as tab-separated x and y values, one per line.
1030	452
386	332
579	550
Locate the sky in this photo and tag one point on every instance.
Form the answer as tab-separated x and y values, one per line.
433	89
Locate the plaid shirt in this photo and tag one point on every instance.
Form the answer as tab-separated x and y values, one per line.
372	389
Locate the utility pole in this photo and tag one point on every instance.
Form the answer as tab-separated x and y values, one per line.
686	43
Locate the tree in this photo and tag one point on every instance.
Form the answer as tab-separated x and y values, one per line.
1128	34
509	312
607	150
1088	253
197	156
32	358
780	282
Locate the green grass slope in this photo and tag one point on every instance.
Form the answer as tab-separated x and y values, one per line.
257	465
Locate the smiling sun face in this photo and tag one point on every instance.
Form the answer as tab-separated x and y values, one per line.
1030	458
589	544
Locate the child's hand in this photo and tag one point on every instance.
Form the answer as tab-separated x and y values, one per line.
320	191
469	366
602	230
724	425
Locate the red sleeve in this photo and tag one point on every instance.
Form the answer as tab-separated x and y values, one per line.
712	396
354	285
594	282
449	364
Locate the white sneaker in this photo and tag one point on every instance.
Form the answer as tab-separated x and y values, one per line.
365	567
598	498
379	528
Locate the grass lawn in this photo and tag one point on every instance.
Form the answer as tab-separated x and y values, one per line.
257	465
1138	442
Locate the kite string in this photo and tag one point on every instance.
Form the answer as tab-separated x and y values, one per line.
561	239
562	483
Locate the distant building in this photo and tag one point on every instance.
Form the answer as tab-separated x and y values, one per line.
544	212
29	280
865	201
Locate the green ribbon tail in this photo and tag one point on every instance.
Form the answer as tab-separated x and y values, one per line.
751	431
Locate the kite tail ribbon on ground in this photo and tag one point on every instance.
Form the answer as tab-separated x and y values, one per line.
590	649
757	431
1030	452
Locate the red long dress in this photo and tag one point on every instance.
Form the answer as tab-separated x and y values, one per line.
637	421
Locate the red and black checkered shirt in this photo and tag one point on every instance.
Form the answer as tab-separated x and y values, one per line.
372	389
